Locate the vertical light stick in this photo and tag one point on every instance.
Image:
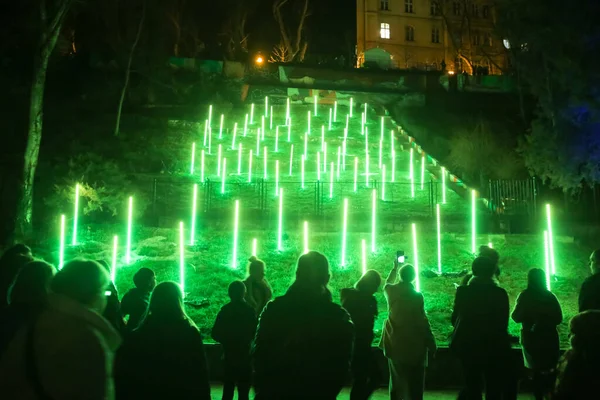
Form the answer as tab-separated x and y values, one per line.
219	159
234	136
271	119
291	158
344	155
202	166
550	240
224	177
305	237
411	173
209	116
422	172
547	258
344	232
75	215
209	140
316	101
205	132
193	158
355	172
194	211
305	145
61	243
289	130
287	111
362	123
416	258
438	219
366	140
347	121
113	264
236	218
490	245
276	177
221	126
129	229
443	185
254	245
351	106
265	163
383	182
393	165
245	125
473	222
250	167
335	111
363	252
181	260
373	218
266	106
280	222
302	170
239	159
331	181
308	123
367	170
382	127
330	118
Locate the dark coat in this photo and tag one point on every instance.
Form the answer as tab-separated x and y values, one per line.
162	360
303	347
362	308
13	318
112	312
480	320
235	328
539	312
258	294
135	304
589	295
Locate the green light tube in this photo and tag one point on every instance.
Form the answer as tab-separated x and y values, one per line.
250	167
344	232
245	125
280	222
382	128
351	105
393	165
422	172
265	163
287	111
258	143
252	114
550	240
276	177
362	124
316	102
380	154
291	158
363	252
75	215
271	119
239	159
113	266
224	177
365	112
331	181
305	146
202	166
193	158
318	166
205	132
347	121
302	170
438	219
209	140
490	245
547	258
339	160
373	218
443	185
473	222
219	159
254	246
366	140
322	138
181	260
61	243
210	116
344	155
412	174
266	106
330	119
262	126
392	143
367	170
236	218
129	230
308	123
277	139
194	211
305	237
289	130
383	182
221	126
416	258
325	157
355	173
345	134
335	111
234	136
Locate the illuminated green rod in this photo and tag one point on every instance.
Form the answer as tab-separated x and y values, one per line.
344	155
316	99
365	112
366	140
291	158
473	222
266	106
416	258
271	118
236	217
331	181
209	140
254	246
318	166
280	222
373	218
224	177
550	240
221	126
308	123
194	211
252	114
382	127
362	123
380	154
239	159
351	105
250	167
75	215
277	139
234	136
383	182
246	125
193	158
344	232
547	258
443	185
61	243
367	170
302	170
129	229
276	177
205	132
438	219
181	260
219	159
490	245
305	145
265	163
355	173
393	165
330	119
335	111
258	143
202	166
422	172
113	266
289	130
363	252
305	237
412	174
347	121
209	116
287	111
322	137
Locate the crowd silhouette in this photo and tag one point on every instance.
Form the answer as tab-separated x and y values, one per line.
65	335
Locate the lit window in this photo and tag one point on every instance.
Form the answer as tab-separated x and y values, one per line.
435	35
384	32
385	5
456	7
408	6
409	34
485	11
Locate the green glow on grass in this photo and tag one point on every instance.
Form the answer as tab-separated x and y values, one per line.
382	128
422	172
250	167
335	111
351	105
380	154
362	123
325	157
181	260
416	257
443	185
373	218
473	222
383	182
331	181
316	102
289	130
224	177
239	169
202	166
221	126
438	220
236	220
194	212
330	119
490	245
276	177
355	173
245	125
291	158
252	114
411	174
303	160
393	165
113	266
193	158
262	127
254	246
277	139
305	145
61	243
547	266
305	237
129	230
322	138
308	123
318	166
219	159
280	222
339	160
550	240
344	155
363	253
287	112
75	215
205	132
271	119
265	163
344	232
365	112
210	109
234	136
367	170
266	106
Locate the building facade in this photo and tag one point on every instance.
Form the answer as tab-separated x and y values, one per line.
431	35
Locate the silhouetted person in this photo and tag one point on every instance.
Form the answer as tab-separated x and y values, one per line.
361	304
11	262
579	367
113	306
27	298
493	255
67	353
540	313
406	338
164	358
303	344
480	338
589	295
235	328
136	301
258	290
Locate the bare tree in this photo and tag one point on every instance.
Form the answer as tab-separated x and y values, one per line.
234	32
279	53
295	45
458	29
128	68
50	19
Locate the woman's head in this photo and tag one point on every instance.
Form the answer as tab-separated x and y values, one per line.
167	301
536	279
145	279
407	273
256	269
483	267
32	283
84	281
313	270
369	282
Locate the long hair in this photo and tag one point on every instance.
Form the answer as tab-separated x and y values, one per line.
536	279
254	264
369	282
312	274
81	280
166	303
